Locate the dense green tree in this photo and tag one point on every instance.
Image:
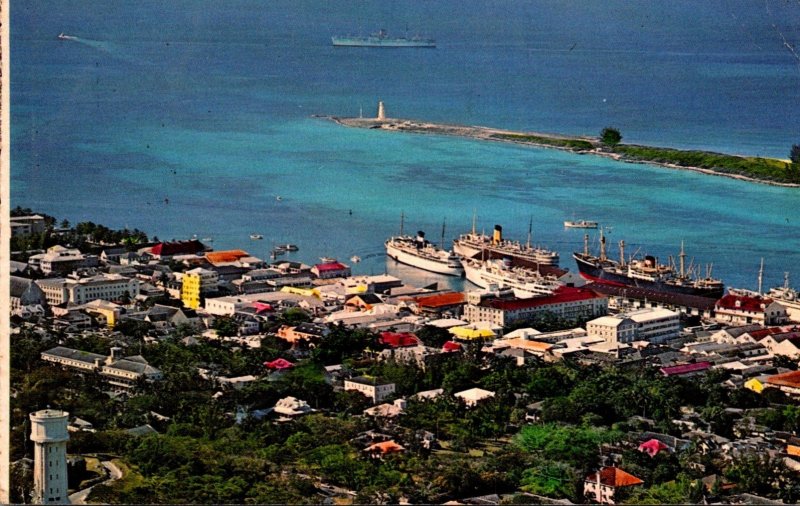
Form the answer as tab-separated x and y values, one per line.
433	336
341	343
680	491
794	154
294	316
610	136
225	326
576	446
551	479
754	473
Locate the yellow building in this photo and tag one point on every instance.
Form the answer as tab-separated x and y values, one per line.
754	385
190	290
104	309
196	282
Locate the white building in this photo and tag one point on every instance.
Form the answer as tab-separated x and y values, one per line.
567	302
373	388
291	406
736	309
229	305
612	329
473	396
26	225
118	371
655	325
109	287
59	259
50	435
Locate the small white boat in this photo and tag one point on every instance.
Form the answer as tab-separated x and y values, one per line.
62	36
580	224
256	237
287	247
355	259
278	198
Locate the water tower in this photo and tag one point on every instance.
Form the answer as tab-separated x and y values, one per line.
49	432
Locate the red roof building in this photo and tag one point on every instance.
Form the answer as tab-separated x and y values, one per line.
602	487
168	249
652	447
743	309
686	369
569	303
451	346
279	364
788	382
439	303
378	450
262	307
398	339
331	270
225	257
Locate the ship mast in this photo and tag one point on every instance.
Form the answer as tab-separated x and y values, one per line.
402	218
474	217
441	245
786	281
760	275
683	261
530	229
586	244
602	246
622	253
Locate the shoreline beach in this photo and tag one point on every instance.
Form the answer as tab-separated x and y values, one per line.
501	135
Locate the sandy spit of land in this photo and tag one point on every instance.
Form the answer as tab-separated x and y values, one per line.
488	134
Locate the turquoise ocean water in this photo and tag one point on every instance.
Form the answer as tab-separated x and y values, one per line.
210	106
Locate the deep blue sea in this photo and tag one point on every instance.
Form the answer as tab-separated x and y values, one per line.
191	117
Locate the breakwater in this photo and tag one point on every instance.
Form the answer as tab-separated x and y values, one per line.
752	169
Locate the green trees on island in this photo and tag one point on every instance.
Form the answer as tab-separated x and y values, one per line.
610	136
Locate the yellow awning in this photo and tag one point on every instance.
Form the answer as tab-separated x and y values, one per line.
471	333
308	292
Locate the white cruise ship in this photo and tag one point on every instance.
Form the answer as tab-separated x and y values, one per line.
472	244
525	282
418	252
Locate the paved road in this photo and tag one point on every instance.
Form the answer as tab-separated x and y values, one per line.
114	473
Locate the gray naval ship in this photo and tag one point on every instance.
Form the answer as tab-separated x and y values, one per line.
382	39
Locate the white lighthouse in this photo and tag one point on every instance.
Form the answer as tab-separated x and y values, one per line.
381	111
49	432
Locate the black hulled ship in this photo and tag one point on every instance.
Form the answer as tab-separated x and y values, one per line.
646	273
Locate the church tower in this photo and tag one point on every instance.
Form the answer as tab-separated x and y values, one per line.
49	432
